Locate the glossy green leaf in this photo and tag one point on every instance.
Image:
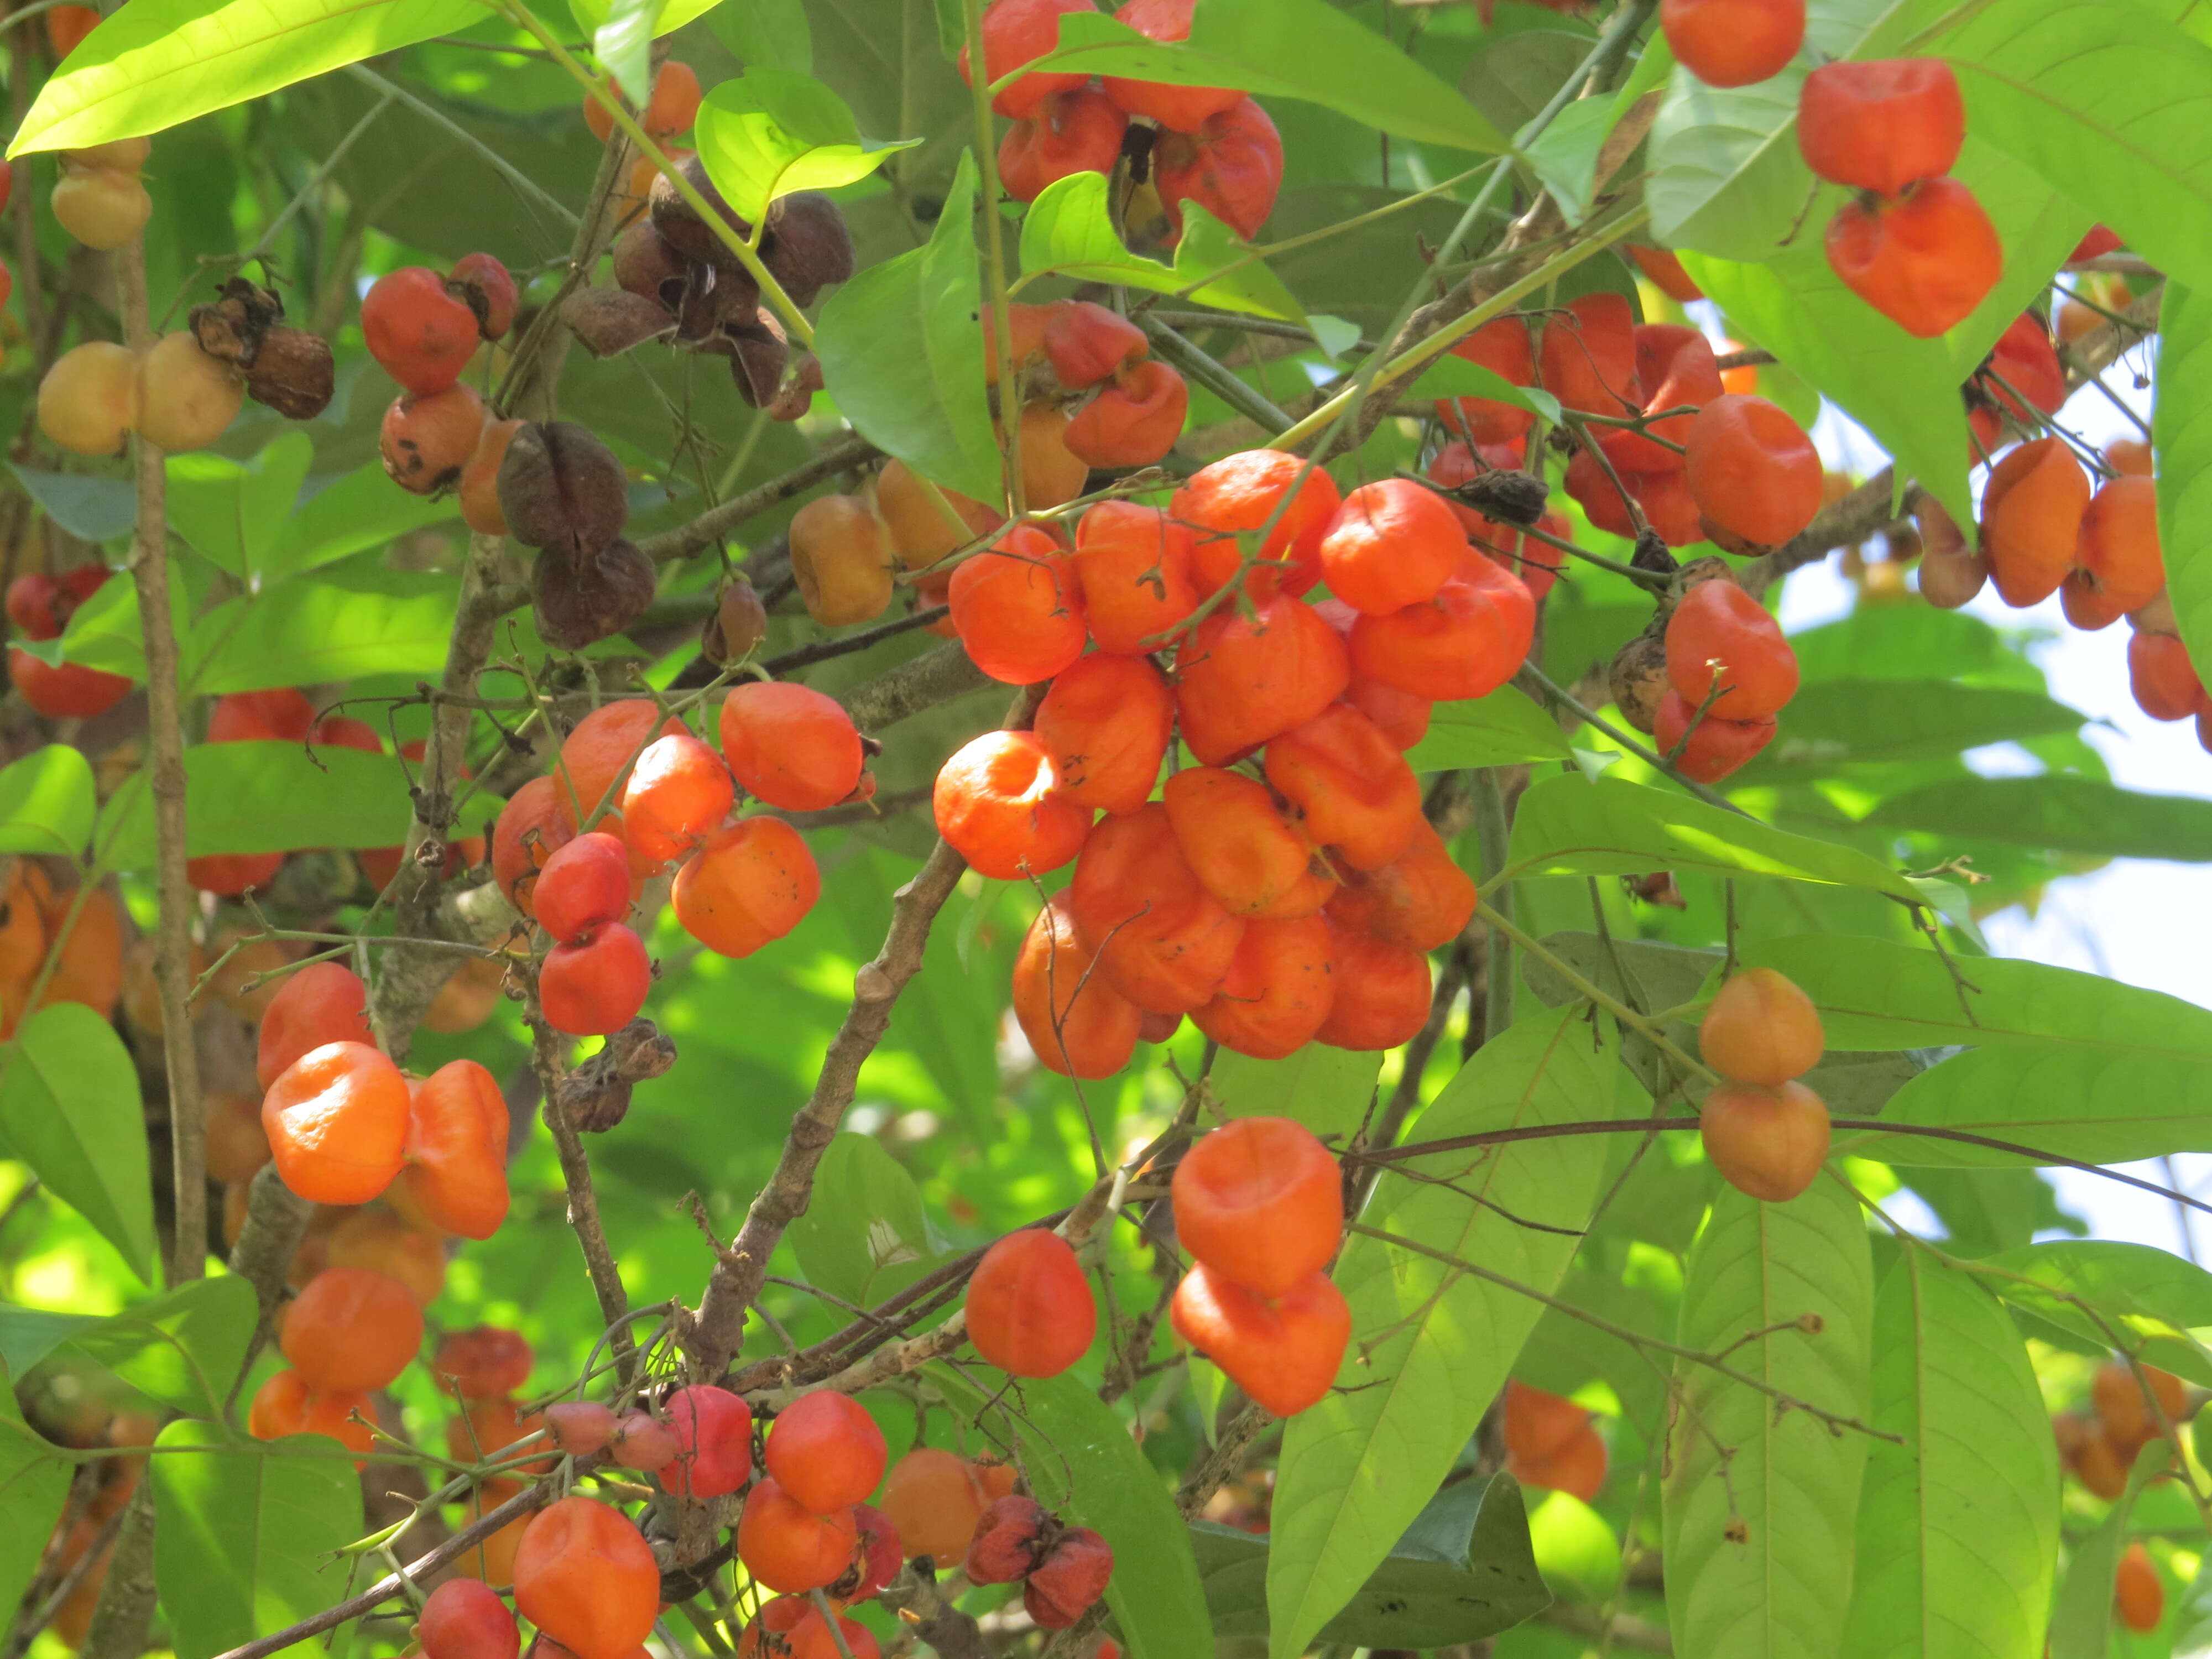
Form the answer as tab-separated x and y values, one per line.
183	1349
623	45
1452	376
1957	1527
1304	49
362	620
1083	1465
47	802
902	354
1462	1571
34	1483
1564	157
264	798
1069	232
773	131
1575	1546
1566	826
235	514
171	60
2058	812
1506	727
1431	1343
245	1531
2094	1105
1759	1503
2106	103
69	1108
2181	425
865	1234
1840	722
1327	1090
2098	1289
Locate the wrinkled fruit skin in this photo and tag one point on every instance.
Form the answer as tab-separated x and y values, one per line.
1005	1545
581	598
1060	1592
560	489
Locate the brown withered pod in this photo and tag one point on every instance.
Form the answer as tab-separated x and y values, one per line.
563	491
738	625
581	598
287	368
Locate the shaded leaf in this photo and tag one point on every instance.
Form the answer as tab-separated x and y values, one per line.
1327	1090
96	509
1836	722
2145	1296
34	1483
264	797
864	1237
2060	812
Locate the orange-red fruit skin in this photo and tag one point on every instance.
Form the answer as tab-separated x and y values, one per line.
1752	471
1768	1144
1883	124
1925	260
998	805
584	1577
1714	748
1030	1308
1076	1022
465	1619
1734	42
2137	1591
1277	992
2031	511
1282	1352
322	1003
351	1330
1760	1028
747	886
1720	636
1261	1202
1018	610
787	1548
1106	723
337	1123
826	1451
1242	682
790	745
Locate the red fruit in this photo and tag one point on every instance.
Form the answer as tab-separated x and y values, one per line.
1720	636
1060	1589
40	605
1018	31
788	1548
1734	42
2024	362
1179	109
1391	545
679	791
997	803
1133	422
2163	678
485	279
586	1578
1402	716
1277	990
790	745
1752	473
1421	900
284	1405
485	1362
1382	996
1088	345
70	691
228	876
456	1150
748	886
1077	1023
2032	511
1243	680
594	984
1925	260
2138	1592
1588	358
644	1443
1714	748
1240	844
419	331
1077	131
1502	346
876	1562
1539	1424
1260	1202
1163	941
826	1451
1133	566
465	1619
1767	1143
1576	1467
2118	566
279	716
533	825
337	1123
1232	167
581	1427
1674	369
2099	241
1348	786
1106	724
351	1330
1005	1547
1466	642
322	1003
1244	492
713	1431
1018	610
1030	1311
1284	1353
583	885
1882	125
1663	268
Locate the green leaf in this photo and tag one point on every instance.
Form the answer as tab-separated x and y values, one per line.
2060	813
1082	1463
95	509
27	1335
183	1349
348	514
34	1483
1327	1090
47	802
1575	1546
927	406
2097	1106
1564	157
1068	232
1758	1502
2152	1298
235	515
1957	1527
2106	103
2082	1614
1462	1571
623	45
174	59
245	1534
866	1237
2181	426
593	15
1836	722
1505	726
1567	827
773	131
1304	49
1450	376
1431	1343
264	797
774	33
69	1108
362	620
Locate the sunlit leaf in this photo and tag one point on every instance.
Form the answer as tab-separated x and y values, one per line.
69	1108
1068	232
773	131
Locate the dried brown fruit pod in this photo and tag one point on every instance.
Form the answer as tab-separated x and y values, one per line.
584	598
596	1095
562	489
646	265
292	374
738	625
1698	572
758	353
679	224
1638	680
1506	495
806	245
609	321
233	327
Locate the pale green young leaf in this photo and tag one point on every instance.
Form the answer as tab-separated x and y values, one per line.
773	130
2181	426
34	1483
71	1109
234	514
1958	1525
623	45
1758	1502
1430	1343
183	1349
1068	232
47	802
2105	1289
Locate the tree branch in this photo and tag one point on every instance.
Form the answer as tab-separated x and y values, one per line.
546	1055
847	451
